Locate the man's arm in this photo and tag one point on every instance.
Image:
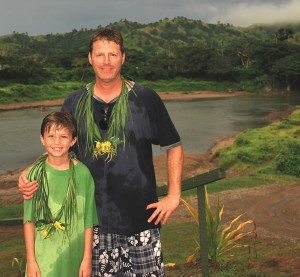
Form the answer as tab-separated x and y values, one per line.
166	206
26	188
32	266
85	269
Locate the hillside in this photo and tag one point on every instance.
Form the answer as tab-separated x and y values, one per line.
252	59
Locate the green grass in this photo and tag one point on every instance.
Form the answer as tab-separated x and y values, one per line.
11	248
27	93
14	93
251	180
186	85
188	233
11	211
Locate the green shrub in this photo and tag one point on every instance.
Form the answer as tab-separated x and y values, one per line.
288	159
284	124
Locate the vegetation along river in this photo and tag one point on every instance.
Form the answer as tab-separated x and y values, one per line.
199	121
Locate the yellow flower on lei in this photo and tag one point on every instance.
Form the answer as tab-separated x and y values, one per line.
58	225
44	232
48	230
103	147
106	147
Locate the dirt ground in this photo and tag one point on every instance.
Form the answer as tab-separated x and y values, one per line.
275	208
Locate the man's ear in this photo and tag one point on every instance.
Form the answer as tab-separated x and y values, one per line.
89	58
124	58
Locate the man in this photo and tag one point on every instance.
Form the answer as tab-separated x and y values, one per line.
118	121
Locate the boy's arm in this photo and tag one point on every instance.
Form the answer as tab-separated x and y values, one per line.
86	264
32	266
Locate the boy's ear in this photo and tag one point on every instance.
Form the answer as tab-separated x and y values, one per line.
73	141
42	140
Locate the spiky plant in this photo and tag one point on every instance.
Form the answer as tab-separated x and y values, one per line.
220	239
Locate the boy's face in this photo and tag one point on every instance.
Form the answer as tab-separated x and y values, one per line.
57	141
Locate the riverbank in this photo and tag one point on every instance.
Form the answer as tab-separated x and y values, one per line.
164	96
194	163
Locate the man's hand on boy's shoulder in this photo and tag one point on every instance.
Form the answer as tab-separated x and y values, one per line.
26	188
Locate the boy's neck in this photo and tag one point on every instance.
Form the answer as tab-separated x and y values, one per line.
60	163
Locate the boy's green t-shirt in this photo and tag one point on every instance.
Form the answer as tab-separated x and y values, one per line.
56	255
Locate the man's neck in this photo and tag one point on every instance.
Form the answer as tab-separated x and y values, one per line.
108	91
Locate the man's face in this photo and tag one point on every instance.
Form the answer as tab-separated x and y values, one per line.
107	60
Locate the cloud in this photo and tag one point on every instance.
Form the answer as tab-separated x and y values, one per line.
59	16
245	14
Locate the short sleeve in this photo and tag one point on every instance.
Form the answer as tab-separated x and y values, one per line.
91	218
164	132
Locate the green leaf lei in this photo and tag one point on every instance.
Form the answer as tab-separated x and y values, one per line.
45	221
95	143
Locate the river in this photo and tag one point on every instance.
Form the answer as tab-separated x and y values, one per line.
200	122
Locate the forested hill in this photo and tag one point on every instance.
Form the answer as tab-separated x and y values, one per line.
169	48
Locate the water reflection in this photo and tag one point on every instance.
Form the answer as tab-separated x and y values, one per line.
200	122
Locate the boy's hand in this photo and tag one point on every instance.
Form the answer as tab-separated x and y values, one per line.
26	188
85	269
33	269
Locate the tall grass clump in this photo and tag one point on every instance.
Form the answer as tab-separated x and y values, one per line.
221	239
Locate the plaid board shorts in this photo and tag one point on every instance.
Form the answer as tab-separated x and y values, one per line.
138	255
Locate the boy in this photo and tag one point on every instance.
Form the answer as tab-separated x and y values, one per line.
59	220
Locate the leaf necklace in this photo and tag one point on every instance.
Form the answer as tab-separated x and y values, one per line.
95	143
45	221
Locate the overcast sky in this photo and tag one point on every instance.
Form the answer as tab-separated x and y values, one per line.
60	16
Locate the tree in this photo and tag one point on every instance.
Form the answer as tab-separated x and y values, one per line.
284	34
219	67
287	70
